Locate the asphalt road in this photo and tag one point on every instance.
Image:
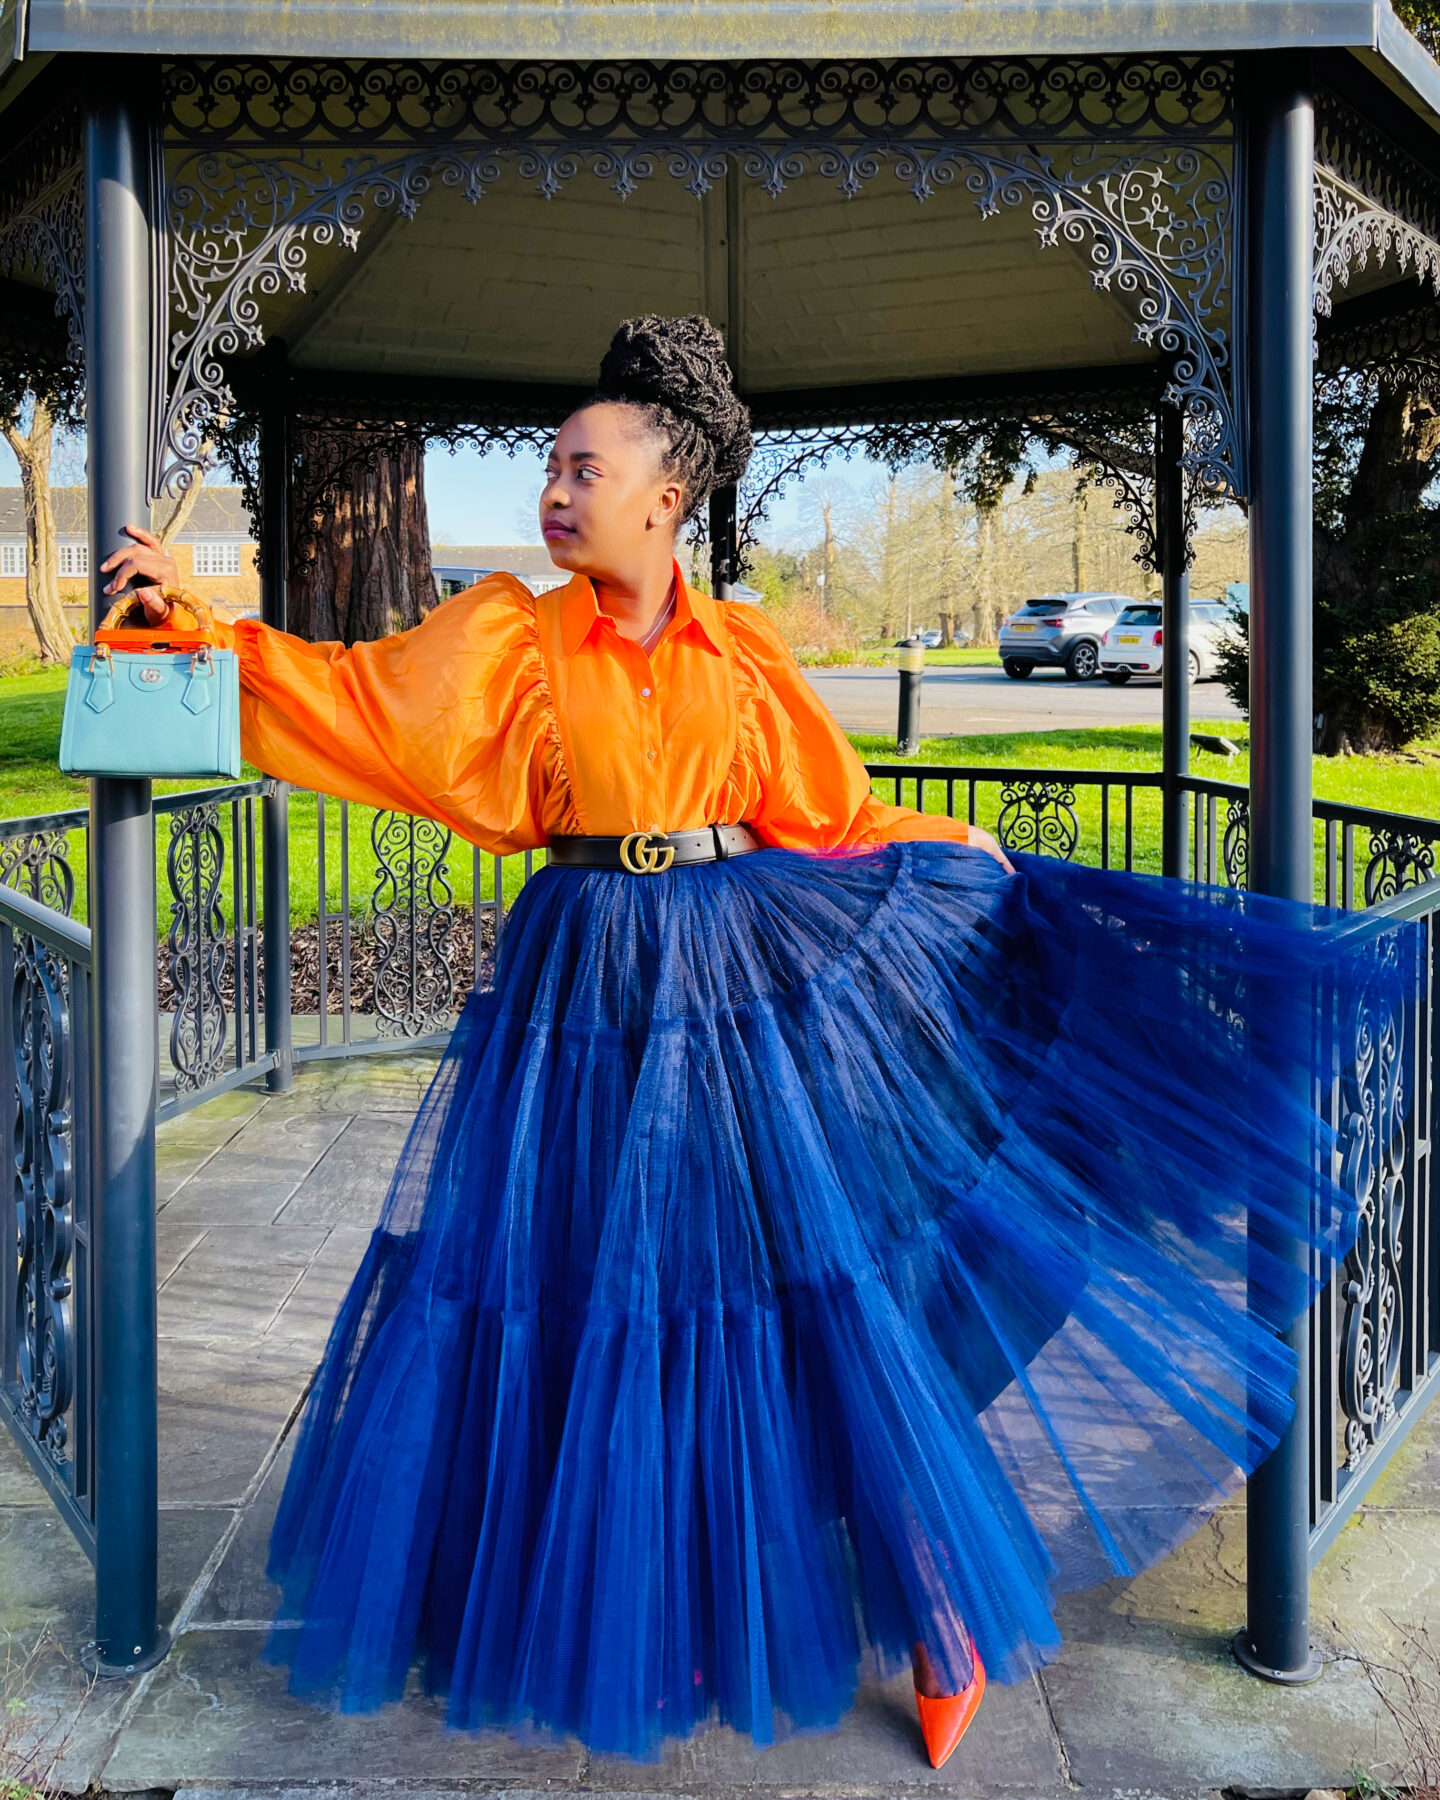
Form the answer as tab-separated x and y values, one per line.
957	702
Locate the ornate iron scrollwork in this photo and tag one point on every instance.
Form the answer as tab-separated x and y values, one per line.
1374	1106
1371	200
199	951
224	100
411	918
1127	160
43	1192
1039	816
1398	860
38	864
1235	844
42	229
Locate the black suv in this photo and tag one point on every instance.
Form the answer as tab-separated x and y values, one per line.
1061	631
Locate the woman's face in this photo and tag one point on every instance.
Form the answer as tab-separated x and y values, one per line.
607	509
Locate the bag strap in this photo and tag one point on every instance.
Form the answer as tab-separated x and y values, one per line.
122	612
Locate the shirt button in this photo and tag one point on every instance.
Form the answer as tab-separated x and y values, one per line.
651	755
645	693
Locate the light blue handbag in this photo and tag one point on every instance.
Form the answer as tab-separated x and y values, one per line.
152	701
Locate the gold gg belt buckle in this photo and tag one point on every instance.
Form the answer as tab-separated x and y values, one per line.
641	855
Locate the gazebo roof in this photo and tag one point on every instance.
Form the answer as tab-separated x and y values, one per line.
717	28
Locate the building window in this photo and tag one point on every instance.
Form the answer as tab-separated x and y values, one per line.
75	559
12	559
217	559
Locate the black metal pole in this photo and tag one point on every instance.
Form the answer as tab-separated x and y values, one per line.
1280	144
118	299
912	674
1173	554
724	542
275	819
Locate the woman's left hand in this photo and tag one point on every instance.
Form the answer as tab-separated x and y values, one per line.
982	840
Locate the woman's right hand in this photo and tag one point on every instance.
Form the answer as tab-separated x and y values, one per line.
147	560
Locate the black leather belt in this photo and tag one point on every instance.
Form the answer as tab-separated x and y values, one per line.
652	852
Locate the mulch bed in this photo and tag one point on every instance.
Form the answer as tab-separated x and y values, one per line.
364	960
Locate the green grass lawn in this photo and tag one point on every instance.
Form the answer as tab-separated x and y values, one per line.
960	656
31	783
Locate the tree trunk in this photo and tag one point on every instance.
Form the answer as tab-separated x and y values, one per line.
1080	570
947	630
42	550
177	517
1395	466
369	573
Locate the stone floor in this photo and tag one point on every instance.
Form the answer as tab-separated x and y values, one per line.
266	1203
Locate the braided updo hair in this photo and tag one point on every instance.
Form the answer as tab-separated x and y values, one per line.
674	373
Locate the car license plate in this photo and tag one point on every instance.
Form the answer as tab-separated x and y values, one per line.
1127	640
1031	628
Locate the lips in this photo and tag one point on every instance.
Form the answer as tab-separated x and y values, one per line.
553	529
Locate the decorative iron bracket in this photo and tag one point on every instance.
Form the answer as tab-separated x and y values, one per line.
1372	201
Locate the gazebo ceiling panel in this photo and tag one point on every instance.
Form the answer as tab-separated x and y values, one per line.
830	291
880	288
680	28
517	287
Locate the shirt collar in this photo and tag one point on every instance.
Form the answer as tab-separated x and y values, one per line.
580	613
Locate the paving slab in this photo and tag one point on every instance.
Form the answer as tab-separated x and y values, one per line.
1146	1690
1010	1749
184	1145
233	1284
257	1171
213	1713
47	1611
349	1183
217	1425
352	1085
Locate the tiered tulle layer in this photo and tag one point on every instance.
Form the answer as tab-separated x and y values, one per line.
798	1256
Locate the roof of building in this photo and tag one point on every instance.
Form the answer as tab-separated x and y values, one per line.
512	559
219	512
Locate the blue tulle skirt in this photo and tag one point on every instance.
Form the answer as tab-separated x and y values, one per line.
801	1257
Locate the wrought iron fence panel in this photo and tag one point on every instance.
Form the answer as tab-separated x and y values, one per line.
46	1392
212	963
340	920
37	861
412	920
1375	1330
1042	811
1362	856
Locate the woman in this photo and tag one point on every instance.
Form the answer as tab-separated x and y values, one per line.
823	1243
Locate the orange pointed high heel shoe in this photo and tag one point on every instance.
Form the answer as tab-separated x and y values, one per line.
945	1718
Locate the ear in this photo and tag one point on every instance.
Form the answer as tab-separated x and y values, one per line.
668	508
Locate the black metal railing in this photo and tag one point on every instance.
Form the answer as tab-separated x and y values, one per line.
405	922
45	1295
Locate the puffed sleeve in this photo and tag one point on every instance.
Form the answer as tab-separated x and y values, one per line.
814	793
450	719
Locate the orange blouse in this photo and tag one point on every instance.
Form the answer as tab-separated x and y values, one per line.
511	717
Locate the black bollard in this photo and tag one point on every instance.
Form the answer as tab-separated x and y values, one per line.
912	673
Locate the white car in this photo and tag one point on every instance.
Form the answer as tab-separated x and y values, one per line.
1135	643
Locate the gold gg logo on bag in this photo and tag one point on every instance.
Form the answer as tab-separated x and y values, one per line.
641	855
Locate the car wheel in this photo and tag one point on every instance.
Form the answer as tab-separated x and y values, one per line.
1117	677
1194	668
1017	668
1083	662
